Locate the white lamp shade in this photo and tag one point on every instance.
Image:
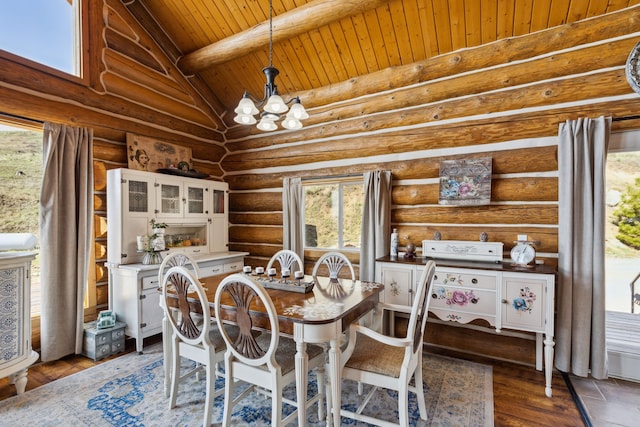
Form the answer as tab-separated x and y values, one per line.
267	125
291	123
275	104
246	107
297	111
245	119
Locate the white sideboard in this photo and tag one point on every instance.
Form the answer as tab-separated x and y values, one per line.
505	296
16	354
134	291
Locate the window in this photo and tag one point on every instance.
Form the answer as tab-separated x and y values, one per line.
622	260
20	181
44	31
333	214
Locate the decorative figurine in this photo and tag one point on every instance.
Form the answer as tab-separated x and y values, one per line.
410	250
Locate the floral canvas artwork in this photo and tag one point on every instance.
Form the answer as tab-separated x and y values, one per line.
465	182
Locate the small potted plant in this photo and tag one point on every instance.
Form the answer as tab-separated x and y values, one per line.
158	227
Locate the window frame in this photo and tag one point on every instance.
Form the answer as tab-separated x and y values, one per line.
341	182
81	53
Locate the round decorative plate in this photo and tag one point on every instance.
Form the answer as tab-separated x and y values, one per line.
632	68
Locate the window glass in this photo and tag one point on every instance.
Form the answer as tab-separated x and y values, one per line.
333	215
20	183
622	238
44	31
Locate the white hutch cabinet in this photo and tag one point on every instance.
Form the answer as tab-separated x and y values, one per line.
16	354
196	212
515	298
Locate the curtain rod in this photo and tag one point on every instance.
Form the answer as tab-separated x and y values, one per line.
619	119
330	177
9	116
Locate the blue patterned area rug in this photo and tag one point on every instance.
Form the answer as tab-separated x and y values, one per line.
128	391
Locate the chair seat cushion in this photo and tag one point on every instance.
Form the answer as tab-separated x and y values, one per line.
216	337
286	352
373	356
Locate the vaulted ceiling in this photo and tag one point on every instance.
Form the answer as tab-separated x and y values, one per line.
224	44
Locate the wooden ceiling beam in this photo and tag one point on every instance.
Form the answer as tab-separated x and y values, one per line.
298	21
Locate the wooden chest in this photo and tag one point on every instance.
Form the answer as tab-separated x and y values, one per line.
100	343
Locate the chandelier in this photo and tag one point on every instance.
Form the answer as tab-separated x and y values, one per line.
274	106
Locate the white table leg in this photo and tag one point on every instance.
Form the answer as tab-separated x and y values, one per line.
335	355
302	367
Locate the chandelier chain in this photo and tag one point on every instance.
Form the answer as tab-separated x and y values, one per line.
270	33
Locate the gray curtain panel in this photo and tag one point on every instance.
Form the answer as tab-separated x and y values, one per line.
292	214
376	222
580	330
66	212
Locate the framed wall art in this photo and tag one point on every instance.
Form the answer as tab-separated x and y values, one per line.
149	154
465	182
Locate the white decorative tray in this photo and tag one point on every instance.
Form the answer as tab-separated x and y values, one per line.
463	250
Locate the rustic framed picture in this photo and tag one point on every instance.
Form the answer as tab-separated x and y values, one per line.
465	182
150	154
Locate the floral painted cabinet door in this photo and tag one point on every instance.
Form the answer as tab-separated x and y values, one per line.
524	299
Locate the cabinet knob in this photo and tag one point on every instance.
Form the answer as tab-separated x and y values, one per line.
504	301
435	277
474	281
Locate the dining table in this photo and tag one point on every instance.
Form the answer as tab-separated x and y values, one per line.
318	316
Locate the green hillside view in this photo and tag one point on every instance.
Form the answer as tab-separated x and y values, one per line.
20	180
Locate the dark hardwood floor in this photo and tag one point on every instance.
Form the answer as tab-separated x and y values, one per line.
519	398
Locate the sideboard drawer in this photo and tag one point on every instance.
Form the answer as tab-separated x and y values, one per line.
464	300
460	278
212	270
231	267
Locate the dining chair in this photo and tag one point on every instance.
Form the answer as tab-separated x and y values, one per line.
332	263
171	260
199	341
266	361
389	362
286	258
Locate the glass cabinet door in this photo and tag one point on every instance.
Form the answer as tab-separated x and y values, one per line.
218	201
196	200
169	199
138	199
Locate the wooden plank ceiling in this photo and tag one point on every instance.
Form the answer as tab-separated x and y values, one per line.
322	42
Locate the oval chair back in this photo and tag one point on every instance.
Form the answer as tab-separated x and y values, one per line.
287	259
419	314
333	262
175	259
240	292
191	322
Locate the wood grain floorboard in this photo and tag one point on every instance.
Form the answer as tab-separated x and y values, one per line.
518	390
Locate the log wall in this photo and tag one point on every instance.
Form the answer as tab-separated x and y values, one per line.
505	100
